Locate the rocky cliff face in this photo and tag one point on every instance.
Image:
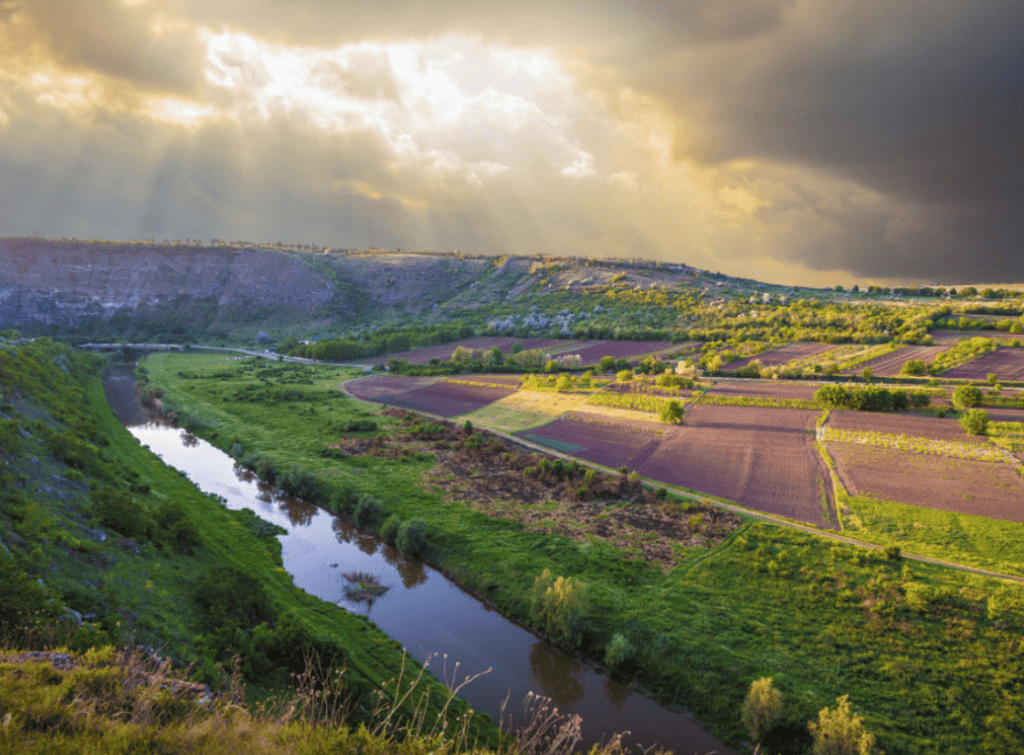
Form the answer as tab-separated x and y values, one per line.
68	284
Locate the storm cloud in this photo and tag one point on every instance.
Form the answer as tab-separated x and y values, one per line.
782	139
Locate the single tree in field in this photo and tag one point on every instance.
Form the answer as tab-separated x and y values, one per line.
671	413
761	708
966	397
564	383
840	731
868	374
607	364
624	376
914	367
974	421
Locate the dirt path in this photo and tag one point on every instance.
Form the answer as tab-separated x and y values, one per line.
732	507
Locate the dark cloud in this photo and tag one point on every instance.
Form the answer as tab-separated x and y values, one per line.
117	40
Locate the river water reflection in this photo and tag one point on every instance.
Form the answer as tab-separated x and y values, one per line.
423	610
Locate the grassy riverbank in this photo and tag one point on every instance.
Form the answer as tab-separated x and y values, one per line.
928	656
142	555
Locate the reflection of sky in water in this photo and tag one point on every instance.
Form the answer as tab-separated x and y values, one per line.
427	613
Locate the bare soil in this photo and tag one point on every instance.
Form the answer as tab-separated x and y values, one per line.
441	397
938	482
763	389
593	353
497	478
782	355
917	425
889	365
1006	364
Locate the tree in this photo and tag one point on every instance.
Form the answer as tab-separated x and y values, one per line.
992	378
974	421
494	356
671	413
914	367
551	366
412	537
840	731
397	342
564	383
966	397
557	605
868	374
624	376
607	364
761	708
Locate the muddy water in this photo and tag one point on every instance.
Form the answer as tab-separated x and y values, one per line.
430	615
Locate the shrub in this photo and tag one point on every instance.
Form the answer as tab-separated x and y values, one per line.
892	552
556	606
761	708
624	376
966	396
974	421
914	367
564	383
119	511
361	426
412	538
266	470
671	413
618	650
367	512
389	530
840	731
173	526
607	364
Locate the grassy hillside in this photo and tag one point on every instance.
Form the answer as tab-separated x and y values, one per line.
92	522
929	656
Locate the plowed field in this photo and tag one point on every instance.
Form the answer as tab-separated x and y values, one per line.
594	352
441	397
890	364
762	458
763	389
902	424
1007	364
938	482
781	355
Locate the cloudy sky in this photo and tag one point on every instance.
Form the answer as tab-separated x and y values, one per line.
788	140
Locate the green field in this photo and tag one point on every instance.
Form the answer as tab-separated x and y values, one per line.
928	655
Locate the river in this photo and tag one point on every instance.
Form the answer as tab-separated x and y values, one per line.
427	613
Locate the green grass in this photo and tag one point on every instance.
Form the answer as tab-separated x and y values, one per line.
924	652
508	418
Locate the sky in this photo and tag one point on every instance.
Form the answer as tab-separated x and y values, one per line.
791	141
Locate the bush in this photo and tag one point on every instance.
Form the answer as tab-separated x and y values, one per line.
564	383
607	364
761	708
412	538
118	511
840	731
914	367
173	526
672	413
361	426
556	606
974	421
966	397
301	483
266	470
389	530
367	512
618	650
624	376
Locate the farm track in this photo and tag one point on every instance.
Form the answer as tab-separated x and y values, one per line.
754	514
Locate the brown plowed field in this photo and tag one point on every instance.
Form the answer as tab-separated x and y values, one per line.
890	364
1007	364
441	397
998	414
938	482
949	338
763	389
593	353
905	424
782	355
762	458
444	351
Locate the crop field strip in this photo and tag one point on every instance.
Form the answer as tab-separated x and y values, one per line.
963	486
444	351
914	445
1005	363
761	389
782	355
889	365
592	353
439	397
902	423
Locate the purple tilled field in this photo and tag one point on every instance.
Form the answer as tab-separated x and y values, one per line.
441	397
1006	364
761	458
444	351
781	355
938	482
762	389
594	352
900	423
889	365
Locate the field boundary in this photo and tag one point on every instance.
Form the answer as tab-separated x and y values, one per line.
732	507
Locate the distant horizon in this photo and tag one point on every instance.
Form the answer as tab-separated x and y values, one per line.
209	243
